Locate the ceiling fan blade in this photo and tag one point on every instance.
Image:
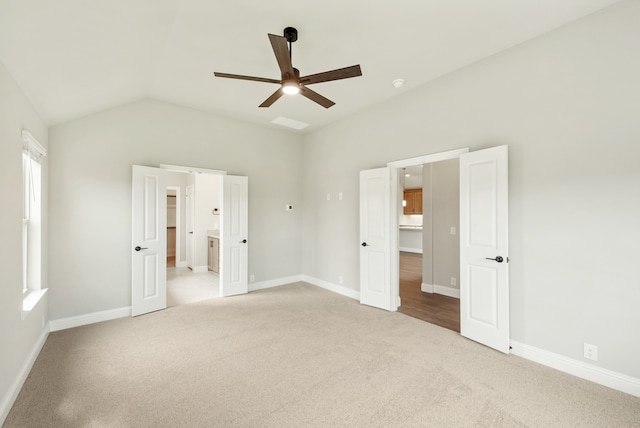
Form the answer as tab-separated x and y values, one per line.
280	48
272	99
314	96
238	76
341	73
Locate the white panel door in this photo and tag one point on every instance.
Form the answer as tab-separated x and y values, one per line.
484	247
190	225
234	246
149	240
375	241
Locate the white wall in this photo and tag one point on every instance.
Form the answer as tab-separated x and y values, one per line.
567	104
18	337
90	188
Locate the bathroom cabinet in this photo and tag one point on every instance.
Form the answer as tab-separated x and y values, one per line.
413	198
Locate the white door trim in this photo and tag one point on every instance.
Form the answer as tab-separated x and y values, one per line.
396	201
189	169
436	157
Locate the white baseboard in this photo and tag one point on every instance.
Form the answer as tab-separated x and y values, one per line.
411	250
200	269
181	264
608	378
440	289
348	292
447	291
274	282
16	386
77	321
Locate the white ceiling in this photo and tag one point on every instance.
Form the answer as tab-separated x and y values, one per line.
76	57
412	178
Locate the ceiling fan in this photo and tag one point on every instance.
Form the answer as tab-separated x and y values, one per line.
291	82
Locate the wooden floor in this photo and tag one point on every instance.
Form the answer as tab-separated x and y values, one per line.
434	308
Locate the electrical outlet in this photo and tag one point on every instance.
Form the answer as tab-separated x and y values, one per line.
591	352
340	196
454	281
252	278
288	207
452	230
340	279
328	196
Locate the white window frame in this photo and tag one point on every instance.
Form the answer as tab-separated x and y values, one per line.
32	155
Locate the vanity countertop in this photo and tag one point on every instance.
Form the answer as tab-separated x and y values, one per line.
213	233
410	227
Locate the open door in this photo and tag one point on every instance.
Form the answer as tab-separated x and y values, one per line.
484	247
234	221
190	225
149	240
375	240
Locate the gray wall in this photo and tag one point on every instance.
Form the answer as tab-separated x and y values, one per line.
441	206
446	214
90	187
567	104
17	337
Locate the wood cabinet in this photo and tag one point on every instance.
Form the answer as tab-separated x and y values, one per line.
414	201
214	254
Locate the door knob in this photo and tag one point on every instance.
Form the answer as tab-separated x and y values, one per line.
497	259
138	248
244	241
364	244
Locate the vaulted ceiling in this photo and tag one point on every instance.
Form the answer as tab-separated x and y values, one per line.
77	57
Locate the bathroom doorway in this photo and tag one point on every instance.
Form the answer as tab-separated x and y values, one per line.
193	208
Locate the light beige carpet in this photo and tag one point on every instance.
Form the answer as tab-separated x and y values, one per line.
296	356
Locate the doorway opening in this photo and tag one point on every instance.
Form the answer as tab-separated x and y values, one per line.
483	238
425	242
428	218
193	213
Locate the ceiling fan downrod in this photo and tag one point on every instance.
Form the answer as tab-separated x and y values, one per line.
291	34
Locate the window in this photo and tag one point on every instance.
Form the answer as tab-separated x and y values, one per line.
32	155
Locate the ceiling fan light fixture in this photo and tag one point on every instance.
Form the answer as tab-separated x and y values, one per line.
291	88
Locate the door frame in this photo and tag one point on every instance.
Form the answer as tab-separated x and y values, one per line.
189	214
394	232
